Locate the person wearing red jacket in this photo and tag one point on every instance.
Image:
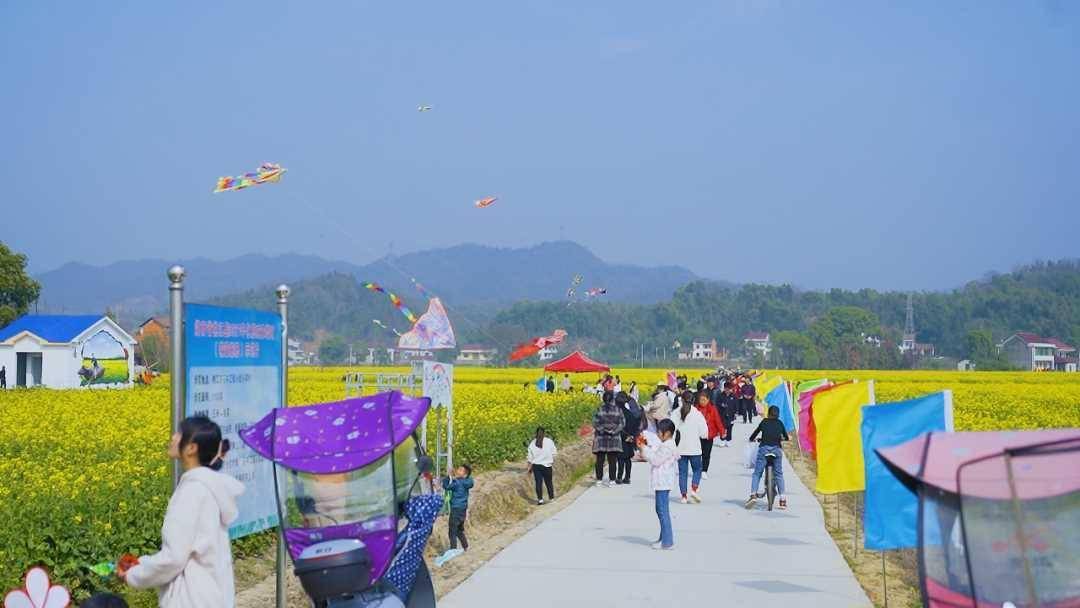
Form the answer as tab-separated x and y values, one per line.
716	429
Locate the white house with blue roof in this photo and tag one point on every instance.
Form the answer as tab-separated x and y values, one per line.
66	351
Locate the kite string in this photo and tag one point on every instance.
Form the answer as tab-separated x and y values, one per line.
390	263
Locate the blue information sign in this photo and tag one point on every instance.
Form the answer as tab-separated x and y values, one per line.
233	371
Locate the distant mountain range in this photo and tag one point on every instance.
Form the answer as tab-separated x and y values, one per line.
465	275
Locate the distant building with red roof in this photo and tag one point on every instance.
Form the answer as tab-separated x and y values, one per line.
1033	352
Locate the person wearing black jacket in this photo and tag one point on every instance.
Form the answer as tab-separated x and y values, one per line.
729	409
716	396
772	432
749	407
633	416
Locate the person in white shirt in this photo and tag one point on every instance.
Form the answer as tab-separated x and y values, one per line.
660	450
194	567
566	386
541	457
690	427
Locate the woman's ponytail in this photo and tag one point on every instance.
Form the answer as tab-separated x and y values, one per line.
206	435
687	404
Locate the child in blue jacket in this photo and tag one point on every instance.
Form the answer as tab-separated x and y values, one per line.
458	489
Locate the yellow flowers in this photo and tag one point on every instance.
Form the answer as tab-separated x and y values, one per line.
84	476
982	401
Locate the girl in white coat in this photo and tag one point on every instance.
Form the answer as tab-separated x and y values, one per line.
194	567
691	428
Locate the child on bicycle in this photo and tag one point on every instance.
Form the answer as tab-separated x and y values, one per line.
772	432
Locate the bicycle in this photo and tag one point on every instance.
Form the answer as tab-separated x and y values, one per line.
771	487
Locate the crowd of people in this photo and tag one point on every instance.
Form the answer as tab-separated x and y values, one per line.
675	432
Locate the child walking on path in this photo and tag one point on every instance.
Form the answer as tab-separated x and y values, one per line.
458	488
662	455
542	452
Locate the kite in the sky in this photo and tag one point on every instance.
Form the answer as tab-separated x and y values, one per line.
423	108
383	325
396	301
265	174
530	348
433	331
573	288
486	202
423	290
596	291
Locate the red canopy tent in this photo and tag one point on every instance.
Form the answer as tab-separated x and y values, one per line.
576	362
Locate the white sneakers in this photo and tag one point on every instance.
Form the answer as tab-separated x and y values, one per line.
695	497
704	474
683	500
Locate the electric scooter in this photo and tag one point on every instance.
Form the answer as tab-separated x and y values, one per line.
354	496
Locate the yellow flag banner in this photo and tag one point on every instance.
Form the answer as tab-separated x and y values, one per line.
764	385
838	419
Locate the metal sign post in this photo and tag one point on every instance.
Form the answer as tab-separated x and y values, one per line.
176	377
283	310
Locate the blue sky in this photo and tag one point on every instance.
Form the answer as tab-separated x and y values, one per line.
881	144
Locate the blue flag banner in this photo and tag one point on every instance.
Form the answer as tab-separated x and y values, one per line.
781	398
891	516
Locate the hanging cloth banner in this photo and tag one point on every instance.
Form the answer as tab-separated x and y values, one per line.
837	414
891	515
781	398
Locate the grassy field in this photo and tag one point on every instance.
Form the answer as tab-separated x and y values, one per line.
84	477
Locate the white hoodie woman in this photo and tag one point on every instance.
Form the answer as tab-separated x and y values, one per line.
194	567
691	428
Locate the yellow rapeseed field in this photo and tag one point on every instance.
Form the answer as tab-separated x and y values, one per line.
84	477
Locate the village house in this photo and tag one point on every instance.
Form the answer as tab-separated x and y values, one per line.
475	354
1033	352
298	355
758	342
66	351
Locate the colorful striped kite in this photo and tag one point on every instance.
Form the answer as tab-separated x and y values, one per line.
265	174
396	301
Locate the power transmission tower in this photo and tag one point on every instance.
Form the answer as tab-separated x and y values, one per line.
908	343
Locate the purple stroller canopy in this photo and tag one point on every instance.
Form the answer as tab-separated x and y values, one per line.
339	436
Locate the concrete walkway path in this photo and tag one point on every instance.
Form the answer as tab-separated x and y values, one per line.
596	552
